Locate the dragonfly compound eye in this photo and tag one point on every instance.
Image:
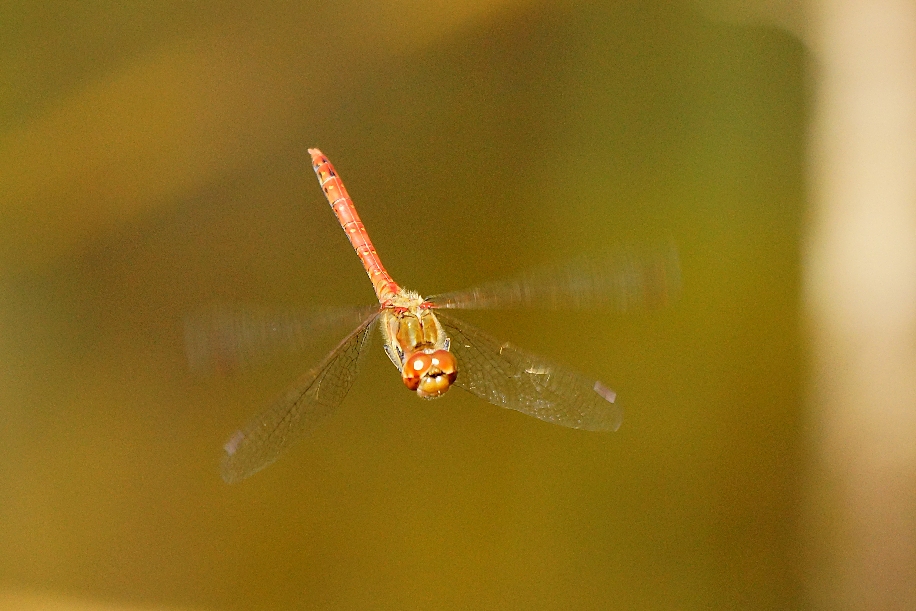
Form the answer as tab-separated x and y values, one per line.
415	367
439	377
430	374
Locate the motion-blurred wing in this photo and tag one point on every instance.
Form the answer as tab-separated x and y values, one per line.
623	281
223	338
509	377
295	413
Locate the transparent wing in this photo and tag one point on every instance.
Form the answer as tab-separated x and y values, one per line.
296	412
223	338
509	377
624	281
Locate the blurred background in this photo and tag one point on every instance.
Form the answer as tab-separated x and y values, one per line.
153	163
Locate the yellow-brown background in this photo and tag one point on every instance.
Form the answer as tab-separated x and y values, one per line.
153	160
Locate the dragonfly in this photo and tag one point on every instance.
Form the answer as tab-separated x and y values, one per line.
433	350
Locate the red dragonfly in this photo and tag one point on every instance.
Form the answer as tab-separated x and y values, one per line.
434	351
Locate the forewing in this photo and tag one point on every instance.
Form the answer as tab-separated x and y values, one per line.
509	377
298	410
624	281
223	338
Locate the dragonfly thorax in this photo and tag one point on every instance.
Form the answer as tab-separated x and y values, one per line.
417	345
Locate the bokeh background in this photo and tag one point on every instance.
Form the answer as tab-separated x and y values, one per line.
153	163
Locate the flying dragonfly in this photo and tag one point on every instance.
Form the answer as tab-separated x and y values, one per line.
434	351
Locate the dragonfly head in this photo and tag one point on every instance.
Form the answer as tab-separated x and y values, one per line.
429	373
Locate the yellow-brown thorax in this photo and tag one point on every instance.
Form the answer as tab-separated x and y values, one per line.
417	345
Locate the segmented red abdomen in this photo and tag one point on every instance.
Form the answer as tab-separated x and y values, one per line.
334	190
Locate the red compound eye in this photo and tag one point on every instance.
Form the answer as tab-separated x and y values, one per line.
444	361
430	374
415	367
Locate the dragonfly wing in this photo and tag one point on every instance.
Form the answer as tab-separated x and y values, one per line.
315	395
509	377
623	281
222	338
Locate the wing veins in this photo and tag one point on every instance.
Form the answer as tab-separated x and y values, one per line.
510	377
264	439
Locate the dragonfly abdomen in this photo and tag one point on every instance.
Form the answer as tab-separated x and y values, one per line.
336	193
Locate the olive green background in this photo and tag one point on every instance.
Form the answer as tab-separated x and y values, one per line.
153	161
